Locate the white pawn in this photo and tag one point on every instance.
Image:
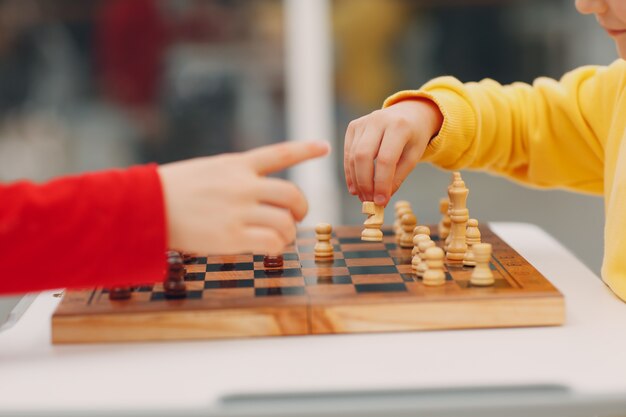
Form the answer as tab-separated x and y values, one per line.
424	245
421	230
472	237
435	274
422	236
402	208
407	223
373	223
323	248
482	275
416	259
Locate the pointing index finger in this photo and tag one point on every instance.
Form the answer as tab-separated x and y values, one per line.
273	158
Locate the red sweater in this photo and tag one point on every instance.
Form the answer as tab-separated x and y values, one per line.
105	228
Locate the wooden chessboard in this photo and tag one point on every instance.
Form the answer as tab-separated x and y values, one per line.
367	287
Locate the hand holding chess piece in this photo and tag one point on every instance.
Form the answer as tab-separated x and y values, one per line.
373	223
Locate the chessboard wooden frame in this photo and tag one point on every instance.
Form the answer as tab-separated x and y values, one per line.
309	296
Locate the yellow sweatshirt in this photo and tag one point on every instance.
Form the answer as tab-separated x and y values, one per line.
567	134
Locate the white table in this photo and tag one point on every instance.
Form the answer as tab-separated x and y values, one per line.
575	369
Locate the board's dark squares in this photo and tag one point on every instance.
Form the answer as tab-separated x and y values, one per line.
275	291
388	232
311	263
391	246
195	276
311	248
229	283
387	287
191	295
366	254
408	277
144	288
377	269
448	276
196	260
290	256
278	273
328	280
239	266
350	240
404	260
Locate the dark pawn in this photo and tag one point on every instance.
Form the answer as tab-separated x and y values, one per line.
119	293
174	284
273	261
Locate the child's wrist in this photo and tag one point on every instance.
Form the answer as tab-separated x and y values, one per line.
432	115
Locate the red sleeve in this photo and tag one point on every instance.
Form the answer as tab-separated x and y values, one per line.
105	228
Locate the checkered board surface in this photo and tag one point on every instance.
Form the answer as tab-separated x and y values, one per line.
365	287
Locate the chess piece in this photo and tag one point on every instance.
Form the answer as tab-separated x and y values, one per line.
401	208
417	233
444	224
421	230
323	248
408	222
373	223
435	274
424	245
458	216
482	275
273	261
119	293
174	285
416	256
472	237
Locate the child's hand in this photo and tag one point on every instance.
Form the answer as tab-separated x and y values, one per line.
395	139
225	205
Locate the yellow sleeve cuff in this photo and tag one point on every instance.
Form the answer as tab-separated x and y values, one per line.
448	147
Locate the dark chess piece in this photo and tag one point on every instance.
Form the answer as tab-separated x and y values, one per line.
273	261
187	257
119	293
174	285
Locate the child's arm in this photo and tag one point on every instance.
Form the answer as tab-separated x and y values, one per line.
113	227
550	134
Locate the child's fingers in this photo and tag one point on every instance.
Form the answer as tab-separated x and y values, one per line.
262	240
347	144
386	164
272	158
273	218
364	154
282	194
407	162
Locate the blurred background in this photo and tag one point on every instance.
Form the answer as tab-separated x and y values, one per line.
93	84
